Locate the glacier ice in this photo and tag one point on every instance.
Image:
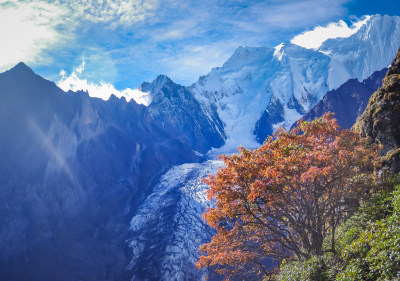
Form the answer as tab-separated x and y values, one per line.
168	227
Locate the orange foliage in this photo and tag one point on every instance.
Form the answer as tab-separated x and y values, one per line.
283	199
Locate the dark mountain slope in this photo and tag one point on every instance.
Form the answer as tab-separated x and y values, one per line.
73	170
348	101
181	114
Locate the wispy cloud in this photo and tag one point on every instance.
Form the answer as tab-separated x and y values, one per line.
297	14
114	12
35	31
27	30
196	60
136	40
103	90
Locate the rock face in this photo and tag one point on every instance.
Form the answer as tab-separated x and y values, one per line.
381	119
348	101
176	109
73	170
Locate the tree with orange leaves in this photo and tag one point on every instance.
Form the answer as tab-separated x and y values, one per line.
284	199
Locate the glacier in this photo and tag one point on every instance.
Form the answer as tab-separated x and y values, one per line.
168	227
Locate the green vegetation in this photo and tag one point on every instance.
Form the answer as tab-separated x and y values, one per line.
368	245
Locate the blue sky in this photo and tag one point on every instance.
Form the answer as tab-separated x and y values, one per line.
119	44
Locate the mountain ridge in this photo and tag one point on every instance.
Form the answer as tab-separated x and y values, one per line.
72	173
176	108
348	101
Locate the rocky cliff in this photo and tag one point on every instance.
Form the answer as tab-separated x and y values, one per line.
381	119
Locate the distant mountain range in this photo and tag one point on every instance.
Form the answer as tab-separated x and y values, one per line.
111	190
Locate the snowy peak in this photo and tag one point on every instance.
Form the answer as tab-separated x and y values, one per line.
259	88
376	28
289	78
162	80
370	49
179	113
278	53
247	55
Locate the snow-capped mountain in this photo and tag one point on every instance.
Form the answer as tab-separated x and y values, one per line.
370	49
259	89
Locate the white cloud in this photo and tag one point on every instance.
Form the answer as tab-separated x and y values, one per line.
102	90
182	39
292	14
27	30
115	12
313	39
178	30
81	68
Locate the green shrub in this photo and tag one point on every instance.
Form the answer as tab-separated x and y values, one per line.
377	208
314	269
367	245
375	254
